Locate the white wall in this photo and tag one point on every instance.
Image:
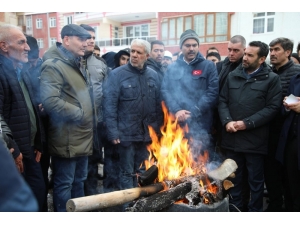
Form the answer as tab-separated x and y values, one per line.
285	26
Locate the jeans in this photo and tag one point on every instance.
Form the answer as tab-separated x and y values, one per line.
254	164
131	156
34	177
69	175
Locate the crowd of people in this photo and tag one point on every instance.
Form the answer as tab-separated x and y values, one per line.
72	110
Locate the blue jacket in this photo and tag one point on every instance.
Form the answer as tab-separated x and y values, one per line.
294	89
132	103
193	87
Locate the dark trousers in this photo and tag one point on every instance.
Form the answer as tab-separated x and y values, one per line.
69	175
274	176
34	177
132	155
111	168
45	164
91	182
293	176
254	164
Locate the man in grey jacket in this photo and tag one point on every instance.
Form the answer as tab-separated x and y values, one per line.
66	98
97	71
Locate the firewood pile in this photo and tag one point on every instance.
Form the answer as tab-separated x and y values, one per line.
192	191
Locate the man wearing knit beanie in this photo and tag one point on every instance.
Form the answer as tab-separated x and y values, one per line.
190	90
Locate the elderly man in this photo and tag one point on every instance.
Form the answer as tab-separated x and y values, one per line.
66	97
131	104
250	98
19	108
190	90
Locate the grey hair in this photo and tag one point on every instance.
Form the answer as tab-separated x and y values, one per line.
141	42
4	31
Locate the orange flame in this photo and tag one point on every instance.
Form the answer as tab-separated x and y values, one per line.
171	153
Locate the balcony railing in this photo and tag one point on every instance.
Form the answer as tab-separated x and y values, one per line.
122	41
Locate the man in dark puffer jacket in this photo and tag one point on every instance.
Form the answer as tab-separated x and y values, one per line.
19	109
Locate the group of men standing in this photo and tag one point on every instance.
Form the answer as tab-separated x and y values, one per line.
88	106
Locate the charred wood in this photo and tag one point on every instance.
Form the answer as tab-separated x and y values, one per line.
162	199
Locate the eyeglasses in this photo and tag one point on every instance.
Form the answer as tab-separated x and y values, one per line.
96	54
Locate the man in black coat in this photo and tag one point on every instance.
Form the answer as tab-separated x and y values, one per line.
156	57
250	98
280	52
19	109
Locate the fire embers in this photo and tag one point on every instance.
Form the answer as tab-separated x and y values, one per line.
204	192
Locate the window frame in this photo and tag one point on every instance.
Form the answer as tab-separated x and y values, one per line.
40	42
52	20
266	18
175	40
39	21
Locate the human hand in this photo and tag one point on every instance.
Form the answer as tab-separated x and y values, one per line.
41	107
182	115
19	163
116	141
294	106
239	125
230	127
37	155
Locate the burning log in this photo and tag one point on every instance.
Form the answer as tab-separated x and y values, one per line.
162	199
94	202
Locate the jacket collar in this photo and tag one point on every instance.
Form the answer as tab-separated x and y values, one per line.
137	69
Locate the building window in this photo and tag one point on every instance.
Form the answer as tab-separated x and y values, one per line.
116	32
68	20
137	31
52	22
40	42
211	27
263	22
28	23
39	23
53	41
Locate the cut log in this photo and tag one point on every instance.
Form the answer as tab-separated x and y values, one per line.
228	167
162	199
94	202
227	184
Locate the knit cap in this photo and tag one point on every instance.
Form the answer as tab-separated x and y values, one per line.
188	34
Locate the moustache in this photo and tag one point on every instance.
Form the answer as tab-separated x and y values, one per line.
191	52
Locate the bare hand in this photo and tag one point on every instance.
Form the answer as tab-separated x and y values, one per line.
182	115
239	125
116	141
37	155
19	163
230	127
294	106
